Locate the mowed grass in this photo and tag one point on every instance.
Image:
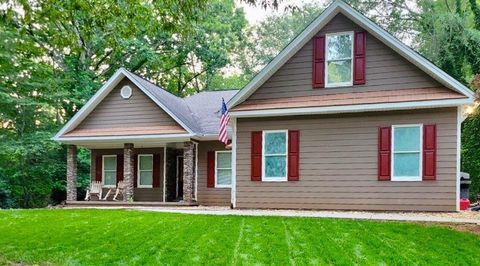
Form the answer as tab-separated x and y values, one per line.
123	237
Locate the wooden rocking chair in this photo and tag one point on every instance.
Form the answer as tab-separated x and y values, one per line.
95	189
120	189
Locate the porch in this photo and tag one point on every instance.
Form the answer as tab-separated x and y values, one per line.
154	174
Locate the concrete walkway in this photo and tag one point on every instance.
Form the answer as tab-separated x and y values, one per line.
454	217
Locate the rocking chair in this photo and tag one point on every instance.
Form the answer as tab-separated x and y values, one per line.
95	189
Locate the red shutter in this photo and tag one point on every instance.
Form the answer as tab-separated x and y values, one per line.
256	162
119	167
135	169
359	58
156	170
211	169
384	153
429	152
293	155
98	168
319	62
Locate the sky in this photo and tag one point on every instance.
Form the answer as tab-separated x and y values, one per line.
255	14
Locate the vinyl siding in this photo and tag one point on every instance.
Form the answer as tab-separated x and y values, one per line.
385	70
206	195
138	112
139	194
338	164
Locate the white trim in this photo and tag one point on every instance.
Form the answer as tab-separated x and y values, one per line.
275	179
216	170
350	108
340	84
458	157
139	170
102	93
233	191
124	138
164	171
420	155
103	170
331	11
126	92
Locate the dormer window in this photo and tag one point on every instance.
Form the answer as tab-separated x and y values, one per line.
339	54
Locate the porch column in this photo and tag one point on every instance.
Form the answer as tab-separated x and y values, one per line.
71	172
128	170
188	171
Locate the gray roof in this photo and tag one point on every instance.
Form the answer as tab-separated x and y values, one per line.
199	112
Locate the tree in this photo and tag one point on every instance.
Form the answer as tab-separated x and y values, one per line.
55	54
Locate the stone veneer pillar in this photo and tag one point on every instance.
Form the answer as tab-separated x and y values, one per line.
71	172
128	170
188	171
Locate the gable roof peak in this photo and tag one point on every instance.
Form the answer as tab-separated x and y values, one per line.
339	6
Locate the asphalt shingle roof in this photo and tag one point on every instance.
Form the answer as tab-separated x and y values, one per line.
199	112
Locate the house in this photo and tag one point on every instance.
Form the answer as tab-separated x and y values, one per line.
346	117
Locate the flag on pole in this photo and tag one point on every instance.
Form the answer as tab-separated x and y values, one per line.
222	133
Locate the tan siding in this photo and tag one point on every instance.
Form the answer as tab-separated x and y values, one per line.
117	114
210	196
385	70
338	164
140	194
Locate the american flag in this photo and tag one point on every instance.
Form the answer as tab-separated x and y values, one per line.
222	133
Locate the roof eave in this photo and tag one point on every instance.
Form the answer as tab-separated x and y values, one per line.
352	108
325	17
102	93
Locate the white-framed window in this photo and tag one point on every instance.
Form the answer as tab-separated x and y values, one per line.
339	59
145	171
274	155
407	152
109	170
223	169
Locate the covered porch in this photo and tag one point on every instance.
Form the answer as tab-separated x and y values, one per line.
154	173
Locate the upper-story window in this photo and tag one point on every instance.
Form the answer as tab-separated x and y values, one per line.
339	54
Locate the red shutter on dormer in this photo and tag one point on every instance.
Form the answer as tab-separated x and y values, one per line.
429	152
98	168
319	62
384	153
256	156
211	169
119	167
293	155
359	58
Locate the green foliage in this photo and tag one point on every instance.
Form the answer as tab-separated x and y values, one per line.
55	54
52	237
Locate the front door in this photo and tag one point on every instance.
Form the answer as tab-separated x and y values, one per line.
179	178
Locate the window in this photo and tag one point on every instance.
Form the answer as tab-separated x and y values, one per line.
145	170
274	155
109	172
407	153
339	55
223	169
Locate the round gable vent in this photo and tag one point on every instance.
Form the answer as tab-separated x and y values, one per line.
126	92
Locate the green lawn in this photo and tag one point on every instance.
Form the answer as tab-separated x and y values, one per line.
103	237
